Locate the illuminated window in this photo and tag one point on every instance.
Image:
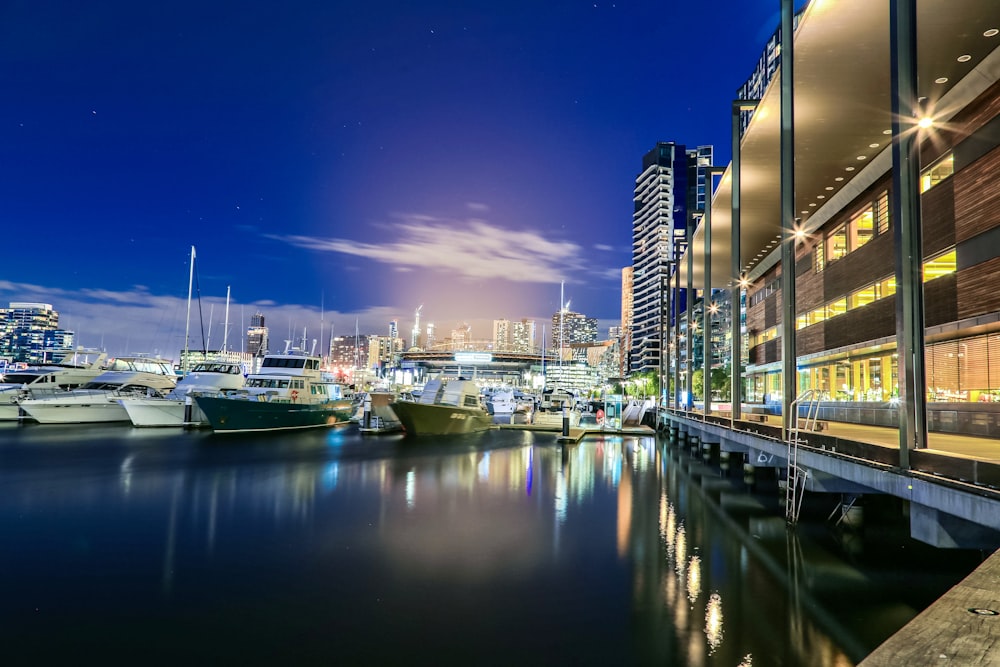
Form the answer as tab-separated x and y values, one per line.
937	172
863	296
835	308
820	257
882	213
836	243
887	287
939	266
862	228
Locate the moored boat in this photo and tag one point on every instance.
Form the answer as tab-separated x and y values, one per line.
178	408
445	407
550	411
289	392
43	380
97	400
374	413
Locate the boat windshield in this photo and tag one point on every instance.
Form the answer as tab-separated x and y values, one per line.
141	365
20	378
206	367
267	383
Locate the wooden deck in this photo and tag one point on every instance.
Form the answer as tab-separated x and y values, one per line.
962	628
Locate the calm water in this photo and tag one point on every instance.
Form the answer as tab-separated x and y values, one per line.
157	547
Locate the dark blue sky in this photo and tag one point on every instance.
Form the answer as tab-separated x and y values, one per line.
366	157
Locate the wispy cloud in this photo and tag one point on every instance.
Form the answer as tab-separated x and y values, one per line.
474	249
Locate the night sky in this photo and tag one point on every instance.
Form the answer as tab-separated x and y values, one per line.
356	159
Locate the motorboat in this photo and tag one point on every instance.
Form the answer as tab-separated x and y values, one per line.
375	414
178	407
97	400
550	411
501	402
444	407
43	380
289	392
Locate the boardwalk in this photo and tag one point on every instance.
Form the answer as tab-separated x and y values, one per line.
961	628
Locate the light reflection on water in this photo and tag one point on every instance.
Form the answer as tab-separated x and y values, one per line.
327	547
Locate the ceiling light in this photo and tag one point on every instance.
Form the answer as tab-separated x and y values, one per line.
848	168
992	32
839	178
964	58
862	157
813	204
829	187
942	79
820	196
889	131
805	212
925	122
872	145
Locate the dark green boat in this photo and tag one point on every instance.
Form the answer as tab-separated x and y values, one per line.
289	392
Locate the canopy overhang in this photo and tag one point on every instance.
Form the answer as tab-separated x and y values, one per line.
842	135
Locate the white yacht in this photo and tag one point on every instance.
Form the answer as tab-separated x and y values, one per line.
501	402
178	408
550	411
43	380
97	400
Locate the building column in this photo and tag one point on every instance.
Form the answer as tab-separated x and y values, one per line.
789	381
706	299
907	231
738	279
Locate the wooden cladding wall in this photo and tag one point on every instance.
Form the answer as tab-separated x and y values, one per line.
984	109
772	310
978	289
811	339
874	261
937	211
977	197
941	300
873	321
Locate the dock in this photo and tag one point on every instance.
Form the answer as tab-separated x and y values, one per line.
578	433
961	628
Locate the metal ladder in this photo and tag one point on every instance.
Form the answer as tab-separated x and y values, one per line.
795	485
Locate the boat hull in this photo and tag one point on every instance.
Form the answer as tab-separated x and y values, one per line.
76	408
163	412
433	419
227	415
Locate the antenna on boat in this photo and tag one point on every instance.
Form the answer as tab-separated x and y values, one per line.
287	343
312	351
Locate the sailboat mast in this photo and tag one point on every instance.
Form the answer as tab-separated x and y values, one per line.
225	335
187	326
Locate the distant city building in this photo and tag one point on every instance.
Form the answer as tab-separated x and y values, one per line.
575	328
30	332
349	351
668	191
767	65
393	329
431	337
380	352
257	336
501	335
523	336
461	338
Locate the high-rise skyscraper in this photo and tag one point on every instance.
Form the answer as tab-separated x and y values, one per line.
257	336
625	332
668	191
30	332
501	335
523	336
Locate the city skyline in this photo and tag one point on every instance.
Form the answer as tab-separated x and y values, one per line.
350	161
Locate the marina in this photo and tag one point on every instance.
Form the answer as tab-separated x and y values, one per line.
615	549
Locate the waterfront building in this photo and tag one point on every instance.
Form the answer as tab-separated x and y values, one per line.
380	353
461	337
625	334
845	299
257	336
349	351
668	191
501	335
30	332
523	336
